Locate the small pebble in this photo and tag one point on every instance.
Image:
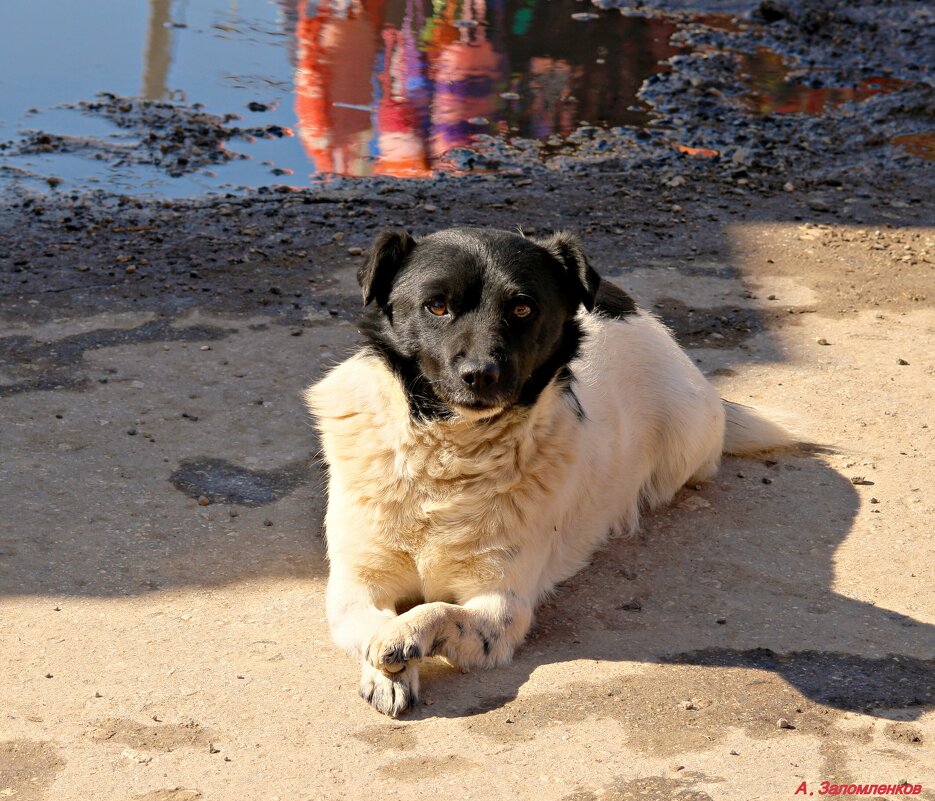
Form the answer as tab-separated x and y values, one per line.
430	208
788	186
204	500
771	297
355	251
874	500
689	705
860	481
720	620
205	347
633	605
131	432
902	362
766	480
733	752
782	723
822	341
267	523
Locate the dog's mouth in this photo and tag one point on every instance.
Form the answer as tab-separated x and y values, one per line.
478	406
478	410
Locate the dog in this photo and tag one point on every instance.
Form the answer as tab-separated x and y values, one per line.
509	412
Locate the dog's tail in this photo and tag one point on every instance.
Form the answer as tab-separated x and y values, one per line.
747	431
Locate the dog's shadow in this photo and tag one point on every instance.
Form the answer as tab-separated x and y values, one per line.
740	574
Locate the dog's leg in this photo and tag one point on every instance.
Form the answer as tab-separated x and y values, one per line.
483	632
355	617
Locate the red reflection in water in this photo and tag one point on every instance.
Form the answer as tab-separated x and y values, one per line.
336	48
767	74
921	145
697	152
390	86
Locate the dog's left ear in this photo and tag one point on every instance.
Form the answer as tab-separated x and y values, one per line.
387	255
566	248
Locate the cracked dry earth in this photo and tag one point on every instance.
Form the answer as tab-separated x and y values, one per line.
162	631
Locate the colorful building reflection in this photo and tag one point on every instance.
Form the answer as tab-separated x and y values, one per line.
391	86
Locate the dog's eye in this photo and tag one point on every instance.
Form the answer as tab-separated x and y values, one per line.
521	310
437	307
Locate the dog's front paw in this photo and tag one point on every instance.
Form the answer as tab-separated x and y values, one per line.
396	647
392	695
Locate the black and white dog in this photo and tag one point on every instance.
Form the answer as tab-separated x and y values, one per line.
510	411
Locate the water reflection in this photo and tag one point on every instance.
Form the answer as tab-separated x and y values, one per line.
391	86
158	50
773	91
921	145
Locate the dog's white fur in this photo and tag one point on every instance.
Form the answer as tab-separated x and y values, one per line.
474	521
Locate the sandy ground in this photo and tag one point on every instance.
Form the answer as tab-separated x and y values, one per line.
155	648
162	632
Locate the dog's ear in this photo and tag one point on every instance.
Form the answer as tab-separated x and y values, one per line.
566	248
387	255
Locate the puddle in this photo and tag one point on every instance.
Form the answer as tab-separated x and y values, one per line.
366	87
774	88
177	99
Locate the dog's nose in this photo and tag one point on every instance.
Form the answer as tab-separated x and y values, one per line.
479	375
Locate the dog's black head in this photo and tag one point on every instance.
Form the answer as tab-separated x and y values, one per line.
475	321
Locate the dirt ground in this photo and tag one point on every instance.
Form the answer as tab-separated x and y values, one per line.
162	631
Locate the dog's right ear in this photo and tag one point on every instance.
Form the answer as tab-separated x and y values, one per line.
387	255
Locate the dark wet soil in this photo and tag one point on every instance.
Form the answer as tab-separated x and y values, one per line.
212	480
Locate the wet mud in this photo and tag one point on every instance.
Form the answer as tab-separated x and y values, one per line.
219	481
653	788
41	366
163	737
28	768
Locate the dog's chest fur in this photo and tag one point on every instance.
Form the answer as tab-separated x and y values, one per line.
457	497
